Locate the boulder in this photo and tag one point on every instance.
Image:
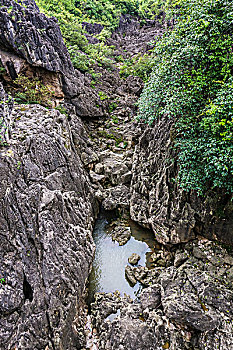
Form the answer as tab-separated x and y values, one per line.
134	259
121	234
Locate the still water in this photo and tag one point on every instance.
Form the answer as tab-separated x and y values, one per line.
108	272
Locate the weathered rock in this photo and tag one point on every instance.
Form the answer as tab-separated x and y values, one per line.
121	234
99	168
6	107
116	197
31	35
114	167
134	259
157	201
182	308
31	44
150	297
96	177
180	258
46	219
129	273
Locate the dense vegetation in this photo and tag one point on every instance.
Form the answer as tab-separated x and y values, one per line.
71	14
192	82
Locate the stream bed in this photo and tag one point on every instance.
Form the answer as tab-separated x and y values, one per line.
108	271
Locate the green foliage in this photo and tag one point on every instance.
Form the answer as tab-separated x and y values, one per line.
110	136
80	60
2	280
192	83
112	106
32	91
72	13
102	96
2	70
140	66
62	110
115	119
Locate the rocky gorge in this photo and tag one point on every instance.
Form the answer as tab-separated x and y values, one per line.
59	168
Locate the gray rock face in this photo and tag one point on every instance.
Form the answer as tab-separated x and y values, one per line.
33	36
6	107
32	44
186	307
116	197
46	218
156	200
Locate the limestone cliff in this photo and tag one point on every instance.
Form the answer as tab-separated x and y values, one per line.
46	219
31	44
157	201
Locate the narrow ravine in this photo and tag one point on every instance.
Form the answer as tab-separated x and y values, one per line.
79	174
127	307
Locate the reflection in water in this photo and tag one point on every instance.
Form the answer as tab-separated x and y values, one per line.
108	272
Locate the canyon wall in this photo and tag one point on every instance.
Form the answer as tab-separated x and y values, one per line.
157	201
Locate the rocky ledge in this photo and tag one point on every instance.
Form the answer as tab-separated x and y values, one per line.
188	305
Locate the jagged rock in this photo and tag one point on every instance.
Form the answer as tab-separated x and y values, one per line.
114	167
129	273
6	107
180	258
32	44
150	297
157	201
134	259
126	178
46	220
182	308
121	234
31	35
96	177
93	28
116	197
99	167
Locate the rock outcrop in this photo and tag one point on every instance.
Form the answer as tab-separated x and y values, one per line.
33	36
46	218
31	44
187	306
157	201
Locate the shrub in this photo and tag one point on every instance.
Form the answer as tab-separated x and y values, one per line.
140	66
192	83
32	91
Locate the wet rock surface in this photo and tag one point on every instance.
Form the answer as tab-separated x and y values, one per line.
46	218
185	307
134	259
121	234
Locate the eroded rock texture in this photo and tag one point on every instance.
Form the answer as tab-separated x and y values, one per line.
46	217
29	33
174	215
188	305
31	44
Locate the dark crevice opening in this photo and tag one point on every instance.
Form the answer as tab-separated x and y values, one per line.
11	69
27	290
